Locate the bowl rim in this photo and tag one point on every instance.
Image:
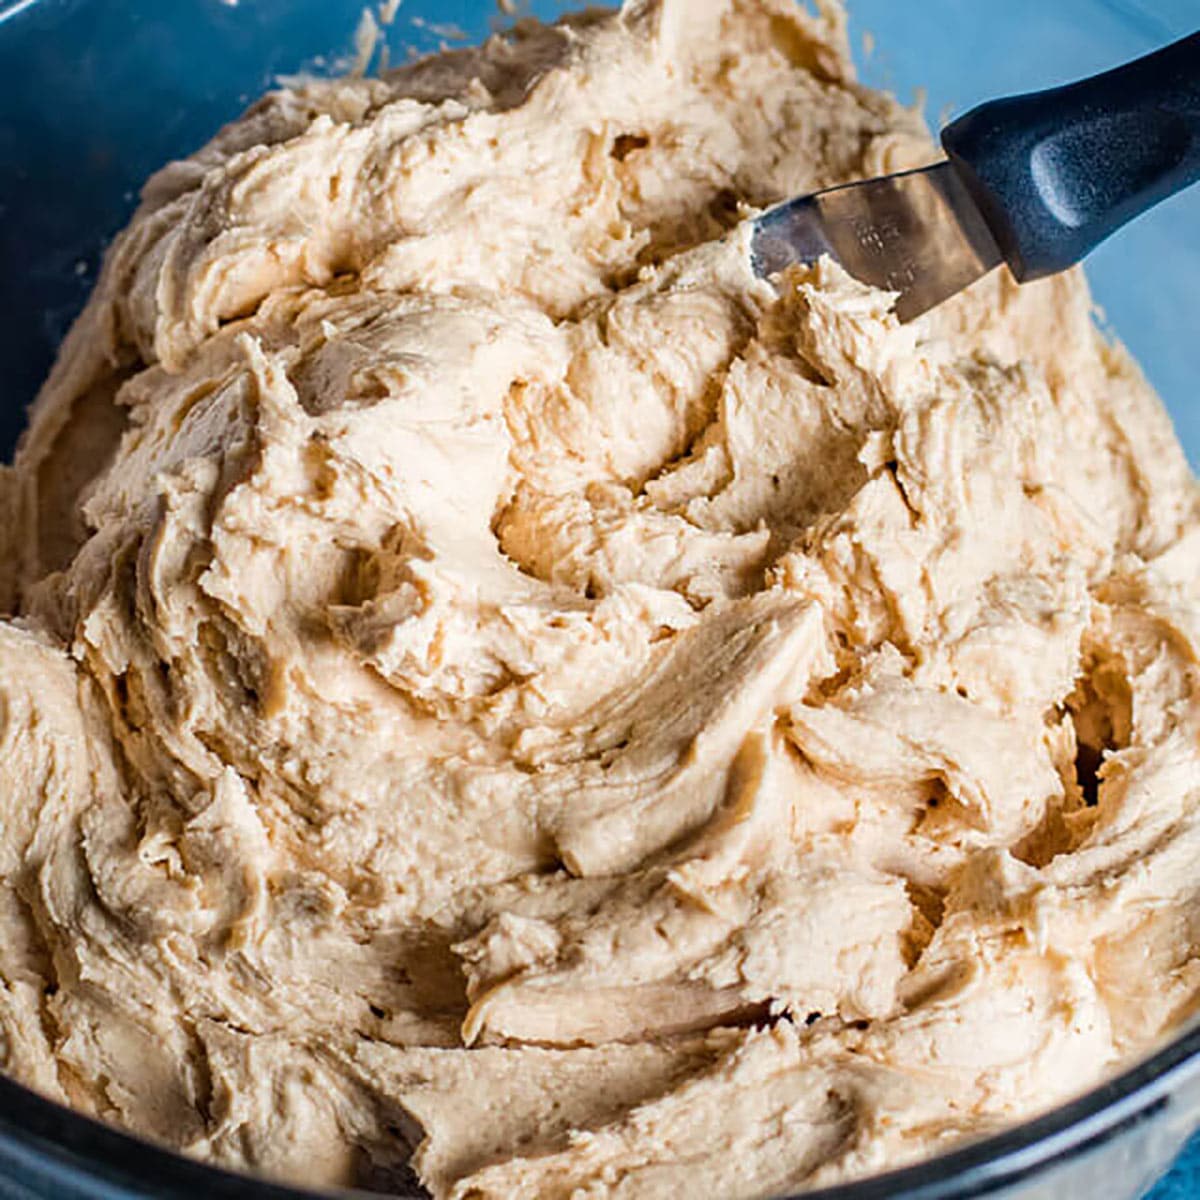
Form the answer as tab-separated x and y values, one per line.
49	1144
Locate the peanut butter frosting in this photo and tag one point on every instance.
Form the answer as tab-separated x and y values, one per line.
495	694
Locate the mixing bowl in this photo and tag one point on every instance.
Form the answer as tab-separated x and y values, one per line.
95	95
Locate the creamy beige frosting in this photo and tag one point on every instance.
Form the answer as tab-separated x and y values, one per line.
492	683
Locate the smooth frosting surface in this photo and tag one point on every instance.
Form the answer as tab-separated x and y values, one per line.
491	682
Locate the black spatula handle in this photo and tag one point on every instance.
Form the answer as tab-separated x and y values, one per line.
1056	172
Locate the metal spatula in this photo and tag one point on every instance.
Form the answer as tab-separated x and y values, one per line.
1036	181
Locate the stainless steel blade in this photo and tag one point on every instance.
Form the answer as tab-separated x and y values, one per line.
919	234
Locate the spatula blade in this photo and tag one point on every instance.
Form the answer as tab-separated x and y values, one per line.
919	234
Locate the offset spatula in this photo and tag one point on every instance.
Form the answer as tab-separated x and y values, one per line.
1035	181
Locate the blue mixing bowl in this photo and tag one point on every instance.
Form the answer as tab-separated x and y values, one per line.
95	94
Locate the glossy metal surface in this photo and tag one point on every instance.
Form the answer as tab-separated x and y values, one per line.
918	234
